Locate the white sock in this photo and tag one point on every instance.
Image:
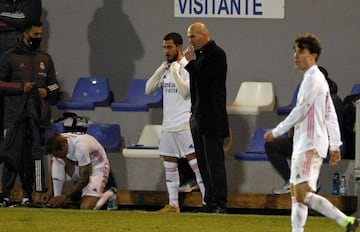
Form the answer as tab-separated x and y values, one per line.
103	199
172	182
194	166
325	207
58	175
299	213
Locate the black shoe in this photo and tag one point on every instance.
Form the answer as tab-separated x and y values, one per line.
35	205
214	209
27	204
5	203
203	209
219	209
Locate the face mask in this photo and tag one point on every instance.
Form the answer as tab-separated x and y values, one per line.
34	42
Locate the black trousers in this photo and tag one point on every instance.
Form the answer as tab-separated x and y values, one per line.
279	151
210	156
26	174
185	172
30	166
1	117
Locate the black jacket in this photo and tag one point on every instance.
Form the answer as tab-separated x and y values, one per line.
208	90
21	65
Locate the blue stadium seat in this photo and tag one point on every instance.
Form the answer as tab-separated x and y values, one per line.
256	149
137	100
88	93
108	135
56	127
355	89
285	110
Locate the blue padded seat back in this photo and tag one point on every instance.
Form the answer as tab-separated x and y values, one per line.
355	89
137	100
56	127
88	93
285	110
257	142
124	106
92	89
136	94
256	149
250	156
108	135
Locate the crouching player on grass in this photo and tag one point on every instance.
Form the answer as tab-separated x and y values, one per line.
81	159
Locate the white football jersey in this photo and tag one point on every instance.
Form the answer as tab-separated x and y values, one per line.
176	109
85	149
313	118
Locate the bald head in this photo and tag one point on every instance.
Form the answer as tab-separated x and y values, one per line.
198	35
199	27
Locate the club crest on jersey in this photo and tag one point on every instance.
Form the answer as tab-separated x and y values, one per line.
42	65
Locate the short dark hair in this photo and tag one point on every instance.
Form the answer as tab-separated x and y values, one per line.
54	143
176	37
309	41
32	23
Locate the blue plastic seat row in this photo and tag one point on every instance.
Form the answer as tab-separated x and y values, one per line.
91	92
285	110
88	93
255	150
108	135
137	100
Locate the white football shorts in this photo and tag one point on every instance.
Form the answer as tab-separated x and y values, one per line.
177	144
305	167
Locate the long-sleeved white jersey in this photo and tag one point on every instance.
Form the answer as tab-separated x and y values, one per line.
85	149
314	118
176	101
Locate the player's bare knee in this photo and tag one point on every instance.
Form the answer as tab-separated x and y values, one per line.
191	156
300	191
87	205
88	202
170	159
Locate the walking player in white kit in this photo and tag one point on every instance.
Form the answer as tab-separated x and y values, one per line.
82	159
176	139
316	130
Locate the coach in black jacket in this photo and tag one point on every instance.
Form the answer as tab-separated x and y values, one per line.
209	123
28	83
13	17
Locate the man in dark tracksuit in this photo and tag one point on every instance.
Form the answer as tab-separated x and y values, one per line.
209	123
13	16
28	83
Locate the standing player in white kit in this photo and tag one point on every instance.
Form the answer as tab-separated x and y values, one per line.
176	139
